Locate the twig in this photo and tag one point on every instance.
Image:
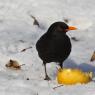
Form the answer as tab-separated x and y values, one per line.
57	86
25	49
93	57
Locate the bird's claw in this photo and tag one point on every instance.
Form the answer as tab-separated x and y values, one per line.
47	78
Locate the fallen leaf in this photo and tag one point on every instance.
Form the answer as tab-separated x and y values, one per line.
66	20
74	39
35	21
13	64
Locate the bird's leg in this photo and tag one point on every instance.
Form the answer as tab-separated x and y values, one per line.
61	64
46	75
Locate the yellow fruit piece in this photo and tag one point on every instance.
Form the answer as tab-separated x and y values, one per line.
73	76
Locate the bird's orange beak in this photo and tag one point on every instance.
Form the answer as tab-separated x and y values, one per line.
72	28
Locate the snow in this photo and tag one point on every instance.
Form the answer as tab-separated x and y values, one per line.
17	32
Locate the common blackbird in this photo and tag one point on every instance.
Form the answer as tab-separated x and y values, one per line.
54	45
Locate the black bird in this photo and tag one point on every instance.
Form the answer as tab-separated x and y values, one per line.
54	45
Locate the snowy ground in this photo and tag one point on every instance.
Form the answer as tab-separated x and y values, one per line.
17	32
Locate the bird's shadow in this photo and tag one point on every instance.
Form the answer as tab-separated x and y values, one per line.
69	63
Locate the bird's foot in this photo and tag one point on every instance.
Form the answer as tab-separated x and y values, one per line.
47	78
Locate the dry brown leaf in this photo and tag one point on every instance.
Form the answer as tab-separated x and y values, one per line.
93	56
13	64
35	21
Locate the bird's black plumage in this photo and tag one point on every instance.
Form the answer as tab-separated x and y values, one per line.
54	45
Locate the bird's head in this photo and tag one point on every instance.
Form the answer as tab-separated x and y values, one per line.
60	27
